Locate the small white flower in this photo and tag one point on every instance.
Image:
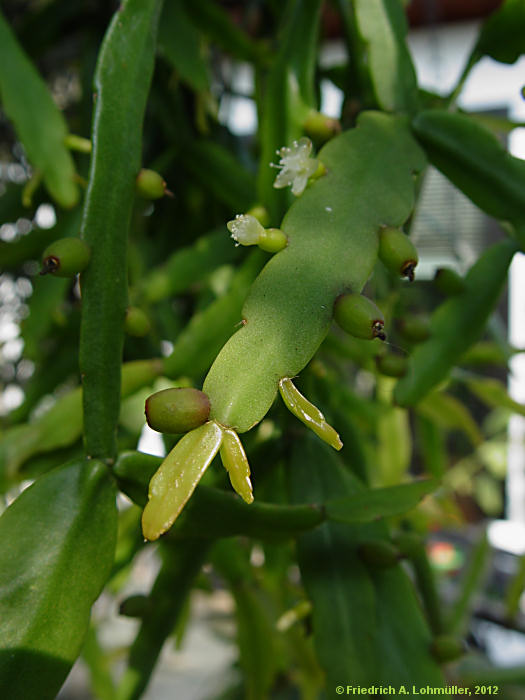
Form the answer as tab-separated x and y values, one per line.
245	229
295	165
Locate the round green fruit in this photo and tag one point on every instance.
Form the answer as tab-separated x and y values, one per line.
397	252
359	316
137	323
150	184
177	410
65	257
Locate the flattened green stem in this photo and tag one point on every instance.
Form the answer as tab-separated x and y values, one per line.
309	414
122	80
236	464
39	123
177	477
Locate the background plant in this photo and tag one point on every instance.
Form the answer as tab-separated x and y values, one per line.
141	88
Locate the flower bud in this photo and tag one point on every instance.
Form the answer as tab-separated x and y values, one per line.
246	229
449	282
177	410
379	554
65	257
260	213
445	647
150	185
359	316
137	323
391	365
397	252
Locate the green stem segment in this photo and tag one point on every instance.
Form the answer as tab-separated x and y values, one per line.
122	81
182	562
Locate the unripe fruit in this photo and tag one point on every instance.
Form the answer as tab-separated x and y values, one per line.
150	185
320	127
65	257
446	648
135	606
272	240
137	323
177	410
397	252
379	554
260	213
359	316
415	329
449	282
391	365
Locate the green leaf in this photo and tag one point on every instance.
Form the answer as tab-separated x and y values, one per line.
394	448
219	172
475	161
494	393
39	124
431	443
180	42
448	412
372	504
456	324
501	36
57	542
367	625
189	265
289	93
471	582
255	632
383	27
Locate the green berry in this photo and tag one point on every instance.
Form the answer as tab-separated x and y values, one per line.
150	185
137	323
359	316
272	240
65	257
177	410
135	606
397	252
416	329
260	213
320	127
449	282
379	554
446	648
391	365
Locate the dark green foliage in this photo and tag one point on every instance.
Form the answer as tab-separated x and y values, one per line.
327	571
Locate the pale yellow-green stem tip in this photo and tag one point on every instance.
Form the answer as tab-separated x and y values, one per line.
294	615
178	475
77	143
309	414
236	464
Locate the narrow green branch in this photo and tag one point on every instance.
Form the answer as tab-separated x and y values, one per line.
122	81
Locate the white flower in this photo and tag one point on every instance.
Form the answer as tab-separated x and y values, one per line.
245	229
295	165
